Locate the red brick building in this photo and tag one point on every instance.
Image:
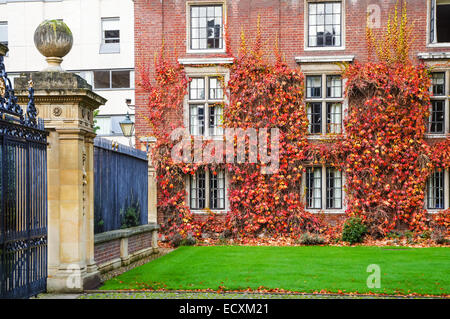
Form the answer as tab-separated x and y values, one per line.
312	35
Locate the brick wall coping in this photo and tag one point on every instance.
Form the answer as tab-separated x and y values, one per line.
124	233
324	58
195	61
434	55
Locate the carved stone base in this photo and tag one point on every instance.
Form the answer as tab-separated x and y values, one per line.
72	280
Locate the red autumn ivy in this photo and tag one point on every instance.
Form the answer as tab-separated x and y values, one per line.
383	152
268	95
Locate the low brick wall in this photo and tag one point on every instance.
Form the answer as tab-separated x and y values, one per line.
106	251
139	242
117	248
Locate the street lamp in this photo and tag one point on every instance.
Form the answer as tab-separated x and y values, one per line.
127	126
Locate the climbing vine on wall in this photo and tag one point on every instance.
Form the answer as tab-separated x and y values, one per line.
265	94
383	153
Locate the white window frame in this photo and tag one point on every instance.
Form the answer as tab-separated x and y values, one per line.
323	208
324	100
189	4
207	194
429	42
446	194
108	48
446	99
306	27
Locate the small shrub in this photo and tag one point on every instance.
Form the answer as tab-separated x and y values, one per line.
426	234
175	240
188	241
226	234
354	230
393	235
409	237
309	239
438	235
130	217
99	226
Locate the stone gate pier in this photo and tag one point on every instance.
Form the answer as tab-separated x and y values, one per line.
66	103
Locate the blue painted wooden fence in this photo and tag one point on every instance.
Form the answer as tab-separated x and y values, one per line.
120	181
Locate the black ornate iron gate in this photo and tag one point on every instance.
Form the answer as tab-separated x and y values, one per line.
23	191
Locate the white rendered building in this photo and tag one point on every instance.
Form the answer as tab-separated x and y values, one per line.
102	52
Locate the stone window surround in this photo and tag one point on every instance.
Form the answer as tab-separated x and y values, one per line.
324	193
433	44
306	27
446	195
210	71
206	103
324	69
190	3
324	100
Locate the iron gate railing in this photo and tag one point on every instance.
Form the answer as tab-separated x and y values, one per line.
23	191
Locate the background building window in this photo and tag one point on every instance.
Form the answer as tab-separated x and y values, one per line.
320	107
435	190
439	21
206	109
206	29
87	75
4	32
113	79
104	124
324	24
110	35
207	190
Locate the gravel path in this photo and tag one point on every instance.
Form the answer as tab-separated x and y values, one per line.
226	295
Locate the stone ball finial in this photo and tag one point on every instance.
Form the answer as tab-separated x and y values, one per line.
54	40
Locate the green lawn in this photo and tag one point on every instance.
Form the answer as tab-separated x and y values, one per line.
303	269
